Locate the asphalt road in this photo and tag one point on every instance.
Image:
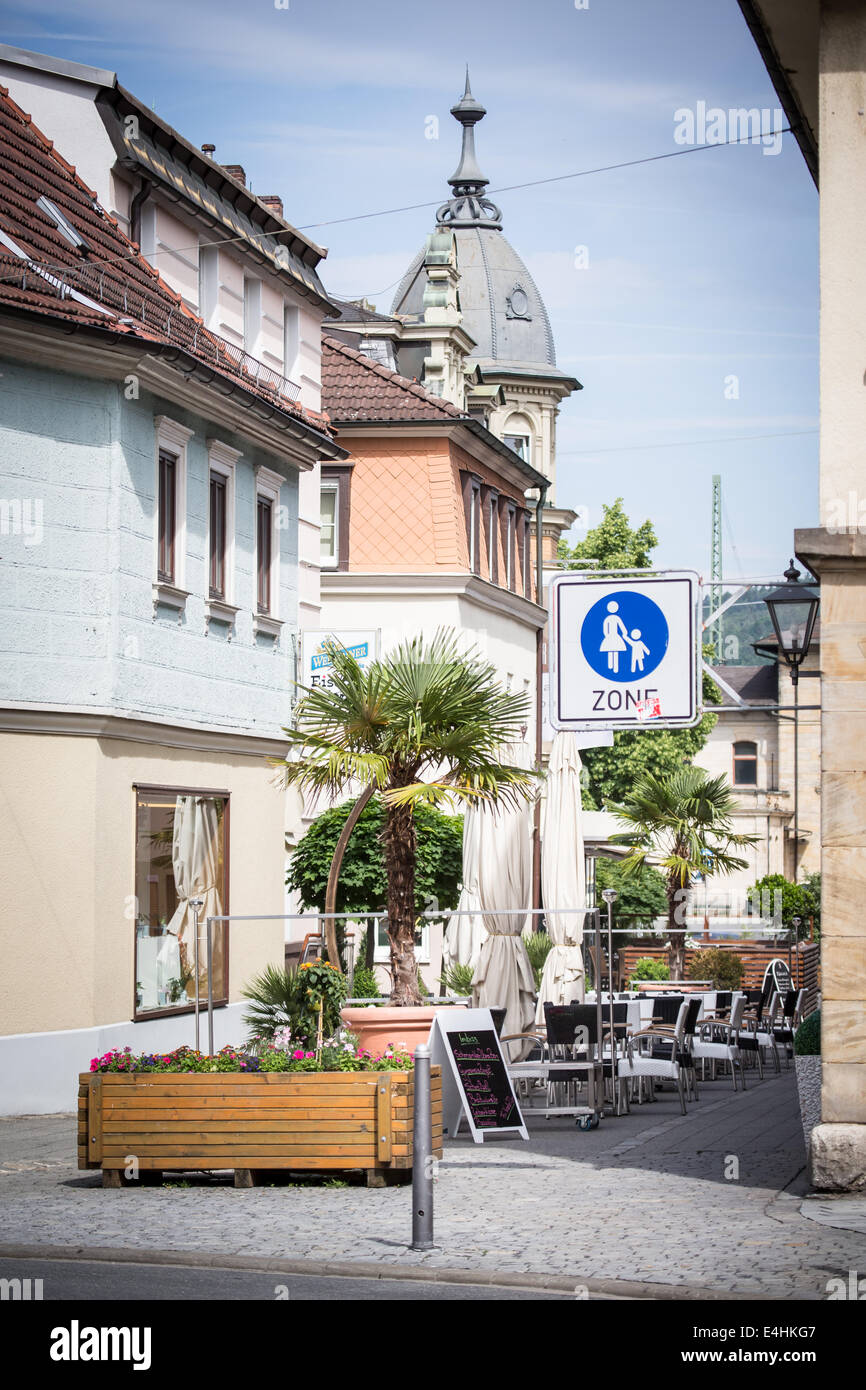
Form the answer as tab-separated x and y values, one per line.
98	1280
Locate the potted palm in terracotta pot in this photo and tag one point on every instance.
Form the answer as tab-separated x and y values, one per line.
425	725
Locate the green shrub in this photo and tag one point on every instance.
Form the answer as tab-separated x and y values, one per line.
807	1039
365	985
283	999
538	948
649	969
722	967
457	979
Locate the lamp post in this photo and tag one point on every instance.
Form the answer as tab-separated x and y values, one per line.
794	938
610	896
793	609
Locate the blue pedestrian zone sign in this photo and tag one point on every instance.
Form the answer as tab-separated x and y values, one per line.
624	650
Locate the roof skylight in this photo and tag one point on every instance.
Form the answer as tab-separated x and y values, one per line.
63	225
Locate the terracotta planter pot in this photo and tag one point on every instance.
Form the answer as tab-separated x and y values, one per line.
376	1028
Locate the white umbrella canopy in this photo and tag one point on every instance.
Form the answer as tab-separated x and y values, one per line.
563	876
503	975
464	934
195	854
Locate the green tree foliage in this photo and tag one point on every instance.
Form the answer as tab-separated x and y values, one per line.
362	886
641	893
801	900
424	726
610	773
687	819
612	545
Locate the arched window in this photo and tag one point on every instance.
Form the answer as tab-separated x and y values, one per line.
745	764
518	436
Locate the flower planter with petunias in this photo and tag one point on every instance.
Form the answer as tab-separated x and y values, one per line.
340	1108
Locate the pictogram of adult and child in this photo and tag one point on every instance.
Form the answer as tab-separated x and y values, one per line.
617	637
624	636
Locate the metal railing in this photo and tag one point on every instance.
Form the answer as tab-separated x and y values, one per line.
110	288
358	918
362	920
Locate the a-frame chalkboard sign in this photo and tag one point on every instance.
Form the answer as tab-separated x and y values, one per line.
781	976
475	1080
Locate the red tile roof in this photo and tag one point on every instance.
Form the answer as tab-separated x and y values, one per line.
354	388
108	284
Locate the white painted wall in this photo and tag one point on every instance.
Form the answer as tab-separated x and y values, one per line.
39	1071
65	112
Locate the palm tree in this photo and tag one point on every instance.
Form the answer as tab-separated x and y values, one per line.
686	820
424	725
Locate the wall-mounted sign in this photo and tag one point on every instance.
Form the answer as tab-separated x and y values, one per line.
316	661
624	650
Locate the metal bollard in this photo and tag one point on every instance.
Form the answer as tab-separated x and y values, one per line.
422	1154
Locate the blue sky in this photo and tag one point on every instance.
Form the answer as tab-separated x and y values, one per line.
700	268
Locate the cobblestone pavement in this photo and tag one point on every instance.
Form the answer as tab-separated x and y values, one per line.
707	1201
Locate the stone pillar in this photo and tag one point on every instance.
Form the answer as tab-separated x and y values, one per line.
836	552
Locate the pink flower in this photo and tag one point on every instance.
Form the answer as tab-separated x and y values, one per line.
298	1056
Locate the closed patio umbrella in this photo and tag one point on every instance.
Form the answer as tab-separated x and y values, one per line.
465	933
563	876
503	975
195	855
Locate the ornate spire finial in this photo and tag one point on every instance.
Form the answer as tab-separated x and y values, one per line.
468	207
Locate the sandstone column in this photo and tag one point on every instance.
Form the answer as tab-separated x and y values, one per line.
836	552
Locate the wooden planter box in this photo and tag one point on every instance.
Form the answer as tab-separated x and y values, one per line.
250	1122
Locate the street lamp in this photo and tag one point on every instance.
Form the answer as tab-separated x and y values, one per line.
610	896
793	609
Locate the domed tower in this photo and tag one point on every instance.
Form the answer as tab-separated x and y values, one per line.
469	279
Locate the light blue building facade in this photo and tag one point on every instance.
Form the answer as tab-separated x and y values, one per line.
83	624
140	715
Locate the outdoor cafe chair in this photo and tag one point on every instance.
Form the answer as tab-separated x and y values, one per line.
564	1023
665	1016
639	1066
498	1016
757	1034
792	1013
718	1041
566	1039
717	1004
626	1020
